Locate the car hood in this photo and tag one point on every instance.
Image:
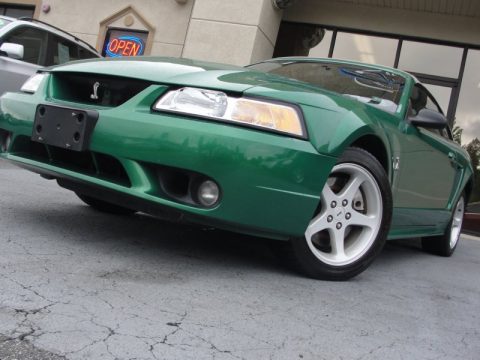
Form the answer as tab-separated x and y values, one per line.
171	71
228	78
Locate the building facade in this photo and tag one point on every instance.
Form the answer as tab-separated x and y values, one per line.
437	40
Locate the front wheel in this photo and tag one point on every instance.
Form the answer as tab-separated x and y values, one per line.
445	245
351	225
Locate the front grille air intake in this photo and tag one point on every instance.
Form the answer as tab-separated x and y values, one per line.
101	166
85	88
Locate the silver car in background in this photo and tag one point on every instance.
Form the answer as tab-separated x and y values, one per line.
27	45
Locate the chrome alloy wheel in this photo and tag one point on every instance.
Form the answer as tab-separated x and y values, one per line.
350	216
457	222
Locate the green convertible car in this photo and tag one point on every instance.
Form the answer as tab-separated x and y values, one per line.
332	157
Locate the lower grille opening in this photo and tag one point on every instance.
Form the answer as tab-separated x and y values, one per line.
90	163
24	147
71	160
111	169
5	138
177	184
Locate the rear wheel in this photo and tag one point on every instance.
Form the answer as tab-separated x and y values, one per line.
352	223
446	244
104	206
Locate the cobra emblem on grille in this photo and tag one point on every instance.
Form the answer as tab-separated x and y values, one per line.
94	96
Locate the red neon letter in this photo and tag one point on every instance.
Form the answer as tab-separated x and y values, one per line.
113	45
135	49
121	45
128	49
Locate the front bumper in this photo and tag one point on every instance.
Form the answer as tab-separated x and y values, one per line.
270	183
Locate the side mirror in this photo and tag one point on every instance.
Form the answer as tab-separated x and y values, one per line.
14	51
429	119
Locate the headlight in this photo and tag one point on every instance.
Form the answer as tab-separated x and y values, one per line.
217	105
32	84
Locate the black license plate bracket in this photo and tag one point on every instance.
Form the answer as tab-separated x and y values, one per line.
67	128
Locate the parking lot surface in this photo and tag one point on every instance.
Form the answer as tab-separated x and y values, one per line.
78	284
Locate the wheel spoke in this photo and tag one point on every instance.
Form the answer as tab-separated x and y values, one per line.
352	187
318	224
337	241
360	219
328	195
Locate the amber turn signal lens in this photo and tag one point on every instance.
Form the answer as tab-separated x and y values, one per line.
268	115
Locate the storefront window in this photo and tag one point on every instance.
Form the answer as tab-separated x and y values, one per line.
17	11
468	114
368	49
441	94
430	59
468	108
322	49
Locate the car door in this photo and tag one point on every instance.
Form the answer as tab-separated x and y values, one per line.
428	171
15	72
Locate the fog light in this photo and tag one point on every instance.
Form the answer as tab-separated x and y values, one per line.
208	193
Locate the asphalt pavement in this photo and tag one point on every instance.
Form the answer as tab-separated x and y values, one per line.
78	284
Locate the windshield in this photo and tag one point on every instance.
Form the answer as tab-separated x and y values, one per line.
376	87
4	22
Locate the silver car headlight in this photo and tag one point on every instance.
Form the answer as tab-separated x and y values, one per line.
33	83
217	105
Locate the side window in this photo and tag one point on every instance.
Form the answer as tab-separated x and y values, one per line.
421	99
34	42
85	54
61	51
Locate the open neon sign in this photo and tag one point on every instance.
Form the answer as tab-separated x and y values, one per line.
125	45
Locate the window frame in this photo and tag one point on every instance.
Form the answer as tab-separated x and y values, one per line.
454	83
43	52
445	133
7	6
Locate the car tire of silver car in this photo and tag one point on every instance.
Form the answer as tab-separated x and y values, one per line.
104	206
351	224
445	245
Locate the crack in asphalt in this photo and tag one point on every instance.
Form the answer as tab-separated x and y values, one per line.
80	285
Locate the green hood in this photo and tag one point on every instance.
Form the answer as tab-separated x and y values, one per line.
229	78
172	71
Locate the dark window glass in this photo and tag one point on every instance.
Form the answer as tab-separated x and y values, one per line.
61	51
2	10
376	87
34	42
420	99
19	11
85	54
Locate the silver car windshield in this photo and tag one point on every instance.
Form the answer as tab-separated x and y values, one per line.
4	22
377	87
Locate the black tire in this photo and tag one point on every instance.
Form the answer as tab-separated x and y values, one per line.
104	206
445	245
298	252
